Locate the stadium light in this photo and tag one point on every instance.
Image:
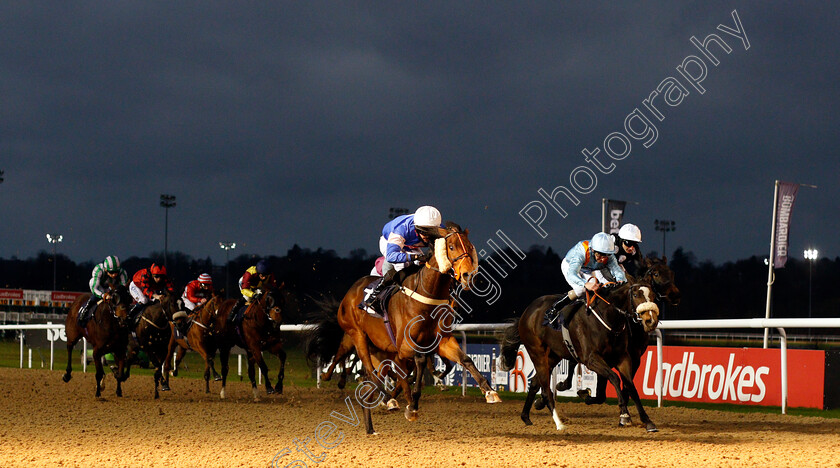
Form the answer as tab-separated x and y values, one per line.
54	239
167	202
227	247
810	255
664	225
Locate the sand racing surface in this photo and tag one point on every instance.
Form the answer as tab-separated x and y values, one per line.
47	423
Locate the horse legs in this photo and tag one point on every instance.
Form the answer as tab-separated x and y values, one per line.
624	368
281	354
450	349
100	373
344	349
412	412
597	364
438	376
224	357
543	365
180	352
525	416
68	372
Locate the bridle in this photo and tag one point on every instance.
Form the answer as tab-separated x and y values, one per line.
452	261
634	315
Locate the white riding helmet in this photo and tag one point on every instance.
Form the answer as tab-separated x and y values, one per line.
603	243
427	216
630	232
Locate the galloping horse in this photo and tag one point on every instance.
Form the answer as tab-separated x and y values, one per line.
655	272
152	334
414	313
261	332
599	332
106	330
201	337
448	349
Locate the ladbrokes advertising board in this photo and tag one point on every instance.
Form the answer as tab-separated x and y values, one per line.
749	376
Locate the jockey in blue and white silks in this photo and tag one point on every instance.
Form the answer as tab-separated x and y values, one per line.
584	261
401	243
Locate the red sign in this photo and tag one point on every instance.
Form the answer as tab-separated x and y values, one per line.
749	376
62	296
11	294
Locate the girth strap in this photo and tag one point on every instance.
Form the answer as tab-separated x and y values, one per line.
421	298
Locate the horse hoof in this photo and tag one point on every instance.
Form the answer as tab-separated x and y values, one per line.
269	391
585	393
411	415
392	405
562	386
539	404
526	420
66	377
222	394
164	388
217	378
173	373
492	397
652	427
325	377
157	395
279	388
624	420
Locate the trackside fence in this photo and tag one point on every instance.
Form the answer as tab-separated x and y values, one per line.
779	324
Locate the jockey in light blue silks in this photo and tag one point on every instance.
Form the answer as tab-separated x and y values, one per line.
401	243
582	269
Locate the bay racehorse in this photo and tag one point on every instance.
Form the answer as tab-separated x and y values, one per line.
106	331
260	331
414	315
202	336
151	334
654	271
598	337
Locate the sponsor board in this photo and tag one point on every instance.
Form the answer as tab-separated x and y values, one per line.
523	371
750	376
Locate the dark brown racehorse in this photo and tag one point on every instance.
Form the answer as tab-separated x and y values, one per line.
656	272
152	334
260	331
202	337
599	332
106	331
414	314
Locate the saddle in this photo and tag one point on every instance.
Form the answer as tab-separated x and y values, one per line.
379	307
563	316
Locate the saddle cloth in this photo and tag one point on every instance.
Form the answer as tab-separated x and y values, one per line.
378	307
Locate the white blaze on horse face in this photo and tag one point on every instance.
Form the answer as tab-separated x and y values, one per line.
646	292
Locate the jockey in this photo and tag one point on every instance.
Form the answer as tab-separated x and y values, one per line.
105	275
582	269
148	284
627	241
401	243
255	280
198	291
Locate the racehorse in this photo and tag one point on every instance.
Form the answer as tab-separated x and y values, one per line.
260	331
414	315
106	331
654	271
152	334
448	349
202	337
599	332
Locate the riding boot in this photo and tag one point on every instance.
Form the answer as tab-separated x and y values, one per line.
387	280
134	313
235	311
84	313
554	311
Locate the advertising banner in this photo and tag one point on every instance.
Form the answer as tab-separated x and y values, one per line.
784	210
749	376
613	215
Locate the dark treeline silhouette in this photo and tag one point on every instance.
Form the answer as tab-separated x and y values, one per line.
731	290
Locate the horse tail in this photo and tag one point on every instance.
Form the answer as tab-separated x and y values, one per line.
322	341
510	345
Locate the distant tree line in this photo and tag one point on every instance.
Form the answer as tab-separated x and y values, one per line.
731	290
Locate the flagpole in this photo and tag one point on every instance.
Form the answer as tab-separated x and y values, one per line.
603	215
770	260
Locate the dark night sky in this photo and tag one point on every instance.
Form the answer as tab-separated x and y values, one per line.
277	123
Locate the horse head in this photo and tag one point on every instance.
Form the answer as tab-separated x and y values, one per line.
119	302
272	302
641	302
454	253
208	312
657	273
